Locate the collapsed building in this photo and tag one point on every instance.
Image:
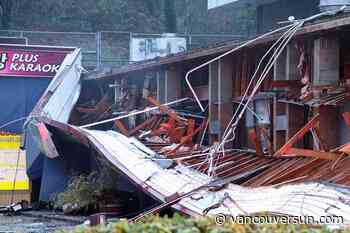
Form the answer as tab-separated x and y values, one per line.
240	128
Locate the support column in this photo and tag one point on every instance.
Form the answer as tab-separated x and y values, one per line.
280	121
220	97
161	86
295	114
326	72
329	126
214	128
225	92
326	64
288	118
172	84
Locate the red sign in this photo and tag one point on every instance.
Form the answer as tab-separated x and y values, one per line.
30	62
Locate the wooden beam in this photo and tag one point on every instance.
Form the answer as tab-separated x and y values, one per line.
345	149
187	139
299	135
119	125
165	109
329	126
287	84
323	144
256	141
264	132
142	125
312	153
214	129
173	85
225	93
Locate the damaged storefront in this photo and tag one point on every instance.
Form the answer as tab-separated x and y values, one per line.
20	89
237	129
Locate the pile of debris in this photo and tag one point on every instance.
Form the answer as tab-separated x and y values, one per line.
316	96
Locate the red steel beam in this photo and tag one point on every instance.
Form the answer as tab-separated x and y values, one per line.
299	135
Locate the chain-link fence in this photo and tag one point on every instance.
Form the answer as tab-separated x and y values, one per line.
108	48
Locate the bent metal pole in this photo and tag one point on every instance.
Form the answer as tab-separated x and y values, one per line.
223	55
240	46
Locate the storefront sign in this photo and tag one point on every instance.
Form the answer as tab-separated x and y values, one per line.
30	62
13	170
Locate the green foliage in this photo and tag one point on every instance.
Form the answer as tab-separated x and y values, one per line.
246	20
81	190
85	190
81	15
180	224
148	16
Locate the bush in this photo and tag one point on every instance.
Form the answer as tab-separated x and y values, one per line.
81	191
179	224
84	191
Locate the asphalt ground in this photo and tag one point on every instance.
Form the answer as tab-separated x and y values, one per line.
25	224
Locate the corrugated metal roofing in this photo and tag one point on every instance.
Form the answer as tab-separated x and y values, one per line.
302	199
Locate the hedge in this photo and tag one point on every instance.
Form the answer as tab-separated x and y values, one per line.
179	224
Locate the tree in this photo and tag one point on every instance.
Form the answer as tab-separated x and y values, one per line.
6	13
170	16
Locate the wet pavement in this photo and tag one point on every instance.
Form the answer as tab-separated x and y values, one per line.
25	224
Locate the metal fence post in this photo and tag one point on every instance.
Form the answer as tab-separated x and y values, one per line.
189	42
98	50
107	50
130	46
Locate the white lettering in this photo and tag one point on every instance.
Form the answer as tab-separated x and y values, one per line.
46	68
13	66
30	67
55	68
3	60
15	57
37	68
28	57
36	57
22	67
